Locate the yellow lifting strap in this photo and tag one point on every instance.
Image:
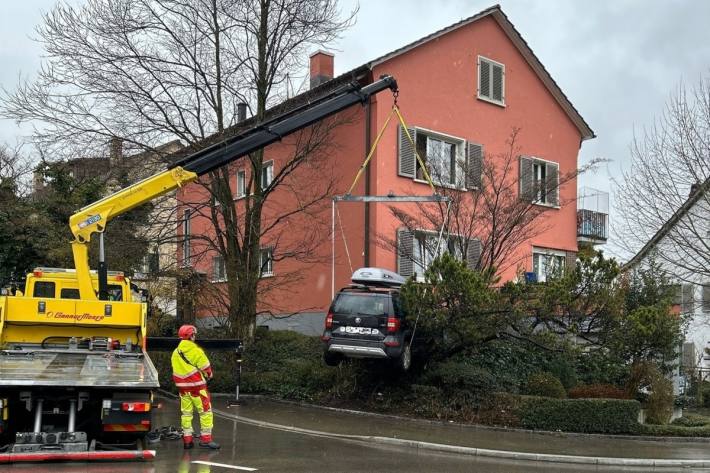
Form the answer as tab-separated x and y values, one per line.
394	111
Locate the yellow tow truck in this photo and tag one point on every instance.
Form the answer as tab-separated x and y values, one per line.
74	371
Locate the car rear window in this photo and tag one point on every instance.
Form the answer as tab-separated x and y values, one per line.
362	304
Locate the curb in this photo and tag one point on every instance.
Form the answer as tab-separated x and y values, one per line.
645	438
478	452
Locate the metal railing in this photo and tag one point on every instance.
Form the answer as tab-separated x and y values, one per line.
591	224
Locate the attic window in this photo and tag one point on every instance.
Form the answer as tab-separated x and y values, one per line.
491	81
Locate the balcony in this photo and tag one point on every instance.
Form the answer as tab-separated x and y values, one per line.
592	217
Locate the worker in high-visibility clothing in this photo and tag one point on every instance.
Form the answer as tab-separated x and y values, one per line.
191	370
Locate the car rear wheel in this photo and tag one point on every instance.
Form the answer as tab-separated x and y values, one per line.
404	362
332	359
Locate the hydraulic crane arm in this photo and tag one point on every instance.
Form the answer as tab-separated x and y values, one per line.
94	217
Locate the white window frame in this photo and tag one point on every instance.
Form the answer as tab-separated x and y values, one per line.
535	160
460	144
420	262
270	271
547	252
267	166
241	174
219	259
500	103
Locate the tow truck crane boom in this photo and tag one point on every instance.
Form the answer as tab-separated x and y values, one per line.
94	217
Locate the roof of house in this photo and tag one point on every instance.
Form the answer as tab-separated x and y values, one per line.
694	197
516	38
363	72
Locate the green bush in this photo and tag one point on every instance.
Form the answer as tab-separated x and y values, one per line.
686	402
692	420
452	376
597	391
546	385
611	416
671	430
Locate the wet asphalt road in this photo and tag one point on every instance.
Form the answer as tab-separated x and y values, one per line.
268	450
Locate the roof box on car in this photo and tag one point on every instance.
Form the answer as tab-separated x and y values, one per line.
377	277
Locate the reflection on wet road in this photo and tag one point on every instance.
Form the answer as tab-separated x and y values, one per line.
246	447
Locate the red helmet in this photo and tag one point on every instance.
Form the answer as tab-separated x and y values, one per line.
187	331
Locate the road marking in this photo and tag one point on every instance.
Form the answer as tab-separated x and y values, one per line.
223	465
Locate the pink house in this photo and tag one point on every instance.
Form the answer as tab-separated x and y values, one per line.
463	89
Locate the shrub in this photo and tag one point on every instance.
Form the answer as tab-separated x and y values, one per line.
546	385
452	376
563	370
692	420
612	416
647	381
671	430
686	401
597	391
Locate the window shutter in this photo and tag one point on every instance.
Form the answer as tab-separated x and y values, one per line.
497	72
407	160
474	165
473	253
552	184
526	178
570	260
405	252
706	299
484	78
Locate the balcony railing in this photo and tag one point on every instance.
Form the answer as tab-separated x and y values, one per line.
591	224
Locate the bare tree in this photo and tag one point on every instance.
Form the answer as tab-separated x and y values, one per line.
667	186
150	71
486	224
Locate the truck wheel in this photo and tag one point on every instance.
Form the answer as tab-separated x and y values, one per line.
332	359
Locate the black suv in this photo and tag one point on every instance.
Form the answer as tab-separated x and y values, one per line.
366	321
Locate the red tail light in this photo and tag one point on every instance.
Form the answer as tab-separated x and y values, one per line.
329	321
392	324
136	406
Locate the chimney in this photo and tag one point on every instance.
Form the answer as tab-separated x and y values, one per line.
321	68
115	151
241	112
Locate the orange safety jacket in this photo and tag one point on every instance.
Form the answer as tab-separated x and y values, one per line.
191	367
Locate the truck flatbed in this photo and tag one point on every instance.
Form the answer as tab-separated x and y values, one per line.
77	369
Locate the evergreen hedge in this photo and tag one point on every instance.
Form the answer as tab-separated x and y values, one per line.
610	416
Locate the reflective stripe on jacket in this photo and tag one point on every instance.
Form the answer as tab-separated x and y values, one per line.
188	372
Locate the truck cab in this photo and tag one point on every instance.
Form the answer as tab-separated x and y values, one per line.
60	283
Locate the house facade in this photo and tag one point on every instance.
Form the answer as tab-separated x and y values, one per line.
677	241
463	91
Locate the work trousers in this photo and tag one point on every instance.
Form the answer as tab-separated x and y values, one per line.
198	400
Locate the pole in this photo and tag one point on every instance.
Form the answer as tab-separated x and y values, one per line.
332	254
238	377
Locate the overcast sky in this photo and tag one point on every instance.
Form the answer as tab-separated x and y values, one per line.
617	61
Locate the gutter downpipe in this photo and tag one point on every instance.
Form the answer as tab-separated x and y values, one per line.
368	138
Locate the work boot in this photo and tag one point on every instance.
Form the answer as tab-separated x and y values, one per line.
187	442
209	444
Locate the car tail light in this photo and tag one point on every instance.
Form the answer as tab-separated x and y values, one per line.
329	321
136	406
392	343
392	324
